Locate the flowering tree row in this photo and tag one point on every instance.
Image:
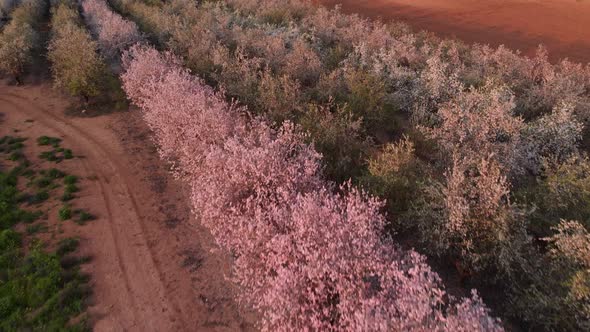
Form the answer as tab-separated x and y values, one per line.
19	40
114	33
75	65
308	255
490	159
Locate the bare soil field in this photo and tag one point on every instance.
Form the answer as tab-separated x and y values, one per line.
153	268
563	26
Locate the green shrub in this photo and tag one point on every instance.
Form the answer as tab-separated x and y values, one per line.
9	240
43	182
71	188
46	140
557	295
394	174
67	246
40	294
338	135
36	228
67	196
65	213
54	173
70	179
562	193
48	155
68	154
39	197
29	216
84	216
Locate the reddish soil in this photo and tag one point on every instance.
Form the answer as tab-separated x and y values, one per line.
563	26
154	267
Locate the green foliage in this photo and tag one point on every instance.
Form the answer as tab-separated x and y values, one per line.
36	296
67	246
84	217
70	179
53	173
68	154
36	228
9	240
65	213
339	136
46	140
71	188
37	292
557	294
562	193
394	174
39	197
67	196
43	182
49	156
57	154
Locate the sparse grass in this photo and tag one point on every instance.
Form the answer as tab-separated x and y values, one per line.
39	291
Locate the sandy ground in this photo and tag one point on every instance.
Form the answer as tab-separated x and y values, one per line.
154	267
563	26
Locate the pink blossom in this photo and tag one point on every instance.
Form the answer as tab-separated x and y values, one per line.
115	34
308	256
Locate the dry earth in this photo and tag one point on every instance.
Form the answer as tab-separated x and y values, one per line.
154	268
563	26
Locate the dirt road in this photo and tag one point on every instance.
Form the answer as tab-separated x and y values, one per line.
154	267
563	26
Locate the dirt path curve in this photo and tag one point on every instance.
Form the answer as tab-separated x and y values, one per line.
154	269
563	26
